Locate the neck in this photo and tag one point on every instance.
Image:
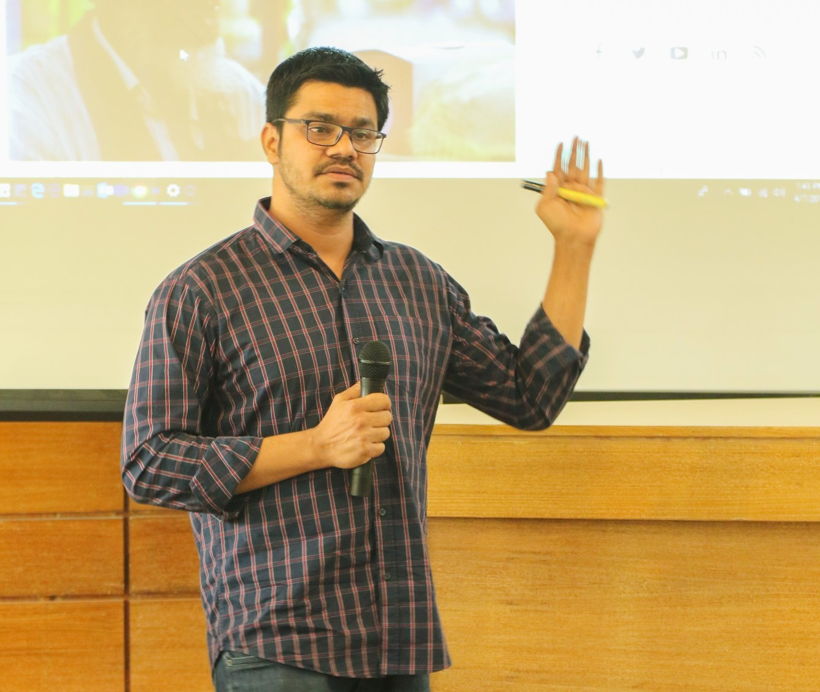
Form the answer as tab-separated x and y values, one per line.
328	231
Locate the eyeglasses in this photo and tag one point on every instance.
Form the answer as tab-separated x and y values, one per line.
327	134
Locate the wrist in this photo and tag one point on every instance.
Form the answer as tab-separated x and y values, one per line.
315	449
571	243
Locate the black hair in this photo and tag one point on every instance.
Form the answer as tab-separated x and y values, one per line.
323	64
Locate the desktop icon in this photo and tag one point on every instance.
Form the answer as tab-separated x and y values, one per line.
105	190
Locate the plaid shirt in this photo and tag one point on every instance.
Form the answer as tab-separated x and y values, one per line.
254	337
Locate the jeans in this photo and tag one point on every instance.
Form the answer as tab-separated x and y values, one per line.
237	672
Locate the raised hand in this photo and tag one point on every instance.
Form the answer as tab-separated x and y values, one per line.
566	220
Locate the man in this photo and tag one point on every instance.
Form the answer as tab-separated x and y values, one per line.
135	81
244	408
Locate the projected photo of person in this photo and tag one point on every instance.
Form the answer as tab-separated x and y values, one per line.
132	81
184	80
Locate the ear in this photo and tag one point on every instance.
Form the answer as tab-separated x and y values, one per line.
270	142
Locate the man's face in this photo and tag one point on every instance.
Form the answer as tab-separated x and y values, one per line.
153	32
332	177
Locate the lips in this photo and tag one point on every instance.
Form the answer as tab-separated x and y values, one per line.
342	170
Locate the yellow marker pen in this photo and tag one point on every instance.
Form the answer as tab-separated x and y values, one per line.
570	195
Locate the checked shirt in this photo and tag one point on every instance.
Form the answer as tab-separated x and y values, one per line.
254	337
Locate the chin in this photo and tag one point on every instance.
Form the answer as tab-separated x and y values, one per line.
343	200
339	204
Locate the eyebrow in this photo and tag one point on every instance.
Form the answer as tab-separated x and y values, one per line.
331	118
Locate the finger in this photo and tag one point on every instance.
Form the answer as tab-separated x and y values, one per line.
599	181
377	435
585	177
572	169
376	402
557	166
379	419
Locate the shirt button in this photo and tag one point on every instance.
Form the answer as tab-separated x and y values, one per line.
388	576
382	511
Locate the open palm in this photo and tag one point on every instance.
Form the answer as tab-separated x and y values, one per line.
570	220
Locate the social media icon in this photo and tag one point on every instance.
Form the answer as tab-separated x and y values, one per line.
639	52
679	53
173	190
5	190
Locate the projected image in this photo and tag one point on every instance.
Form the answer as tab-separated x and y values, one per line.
184	81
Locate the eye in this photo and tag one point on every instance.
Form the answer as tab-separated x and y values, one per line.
321	128
364	135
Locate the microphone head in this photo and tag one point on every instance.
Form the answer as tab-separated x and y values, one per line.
374	360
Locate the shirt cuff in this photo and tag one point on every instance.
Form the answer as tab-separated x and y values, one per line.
226	463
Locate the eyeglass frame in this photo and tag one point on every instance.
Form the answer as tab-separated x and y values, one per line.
342	129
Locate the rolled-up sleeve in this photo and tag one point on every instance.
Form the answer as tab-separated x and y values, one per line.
167	459
525	386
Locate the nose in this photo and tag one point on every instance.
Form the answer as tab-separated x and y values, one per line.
344	147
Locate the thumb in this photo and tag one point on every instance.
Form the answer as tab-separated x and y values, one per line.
353	392
551	187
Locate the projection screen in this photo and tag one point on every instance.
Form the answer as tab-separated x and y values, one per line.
129	142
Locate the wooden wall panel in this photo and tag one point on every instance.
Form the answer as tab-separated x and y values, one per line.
59	467
587	558
167	647
65	646
626	473
61	557
534	605
162	554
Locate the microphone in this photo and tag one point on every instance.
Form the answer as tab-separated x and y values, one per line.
374	362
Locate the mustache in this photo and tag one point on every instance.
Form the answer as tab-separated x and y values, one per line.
347	167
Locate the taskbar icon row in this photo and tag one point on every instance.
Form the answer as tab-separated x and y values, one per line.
800	191
138	193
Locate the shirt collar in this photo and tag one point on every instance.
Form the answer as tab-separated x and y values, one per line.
281	237
128	77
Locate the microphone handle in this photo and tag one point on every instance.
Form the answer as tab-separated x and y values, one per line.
361	478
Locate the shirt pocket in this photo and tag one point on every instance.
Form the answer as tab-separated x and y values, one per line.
418	350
